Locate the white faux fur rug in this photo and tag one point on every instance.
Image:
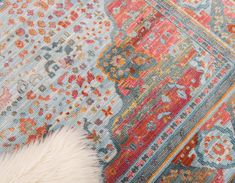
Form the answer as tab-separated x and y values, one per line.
62	157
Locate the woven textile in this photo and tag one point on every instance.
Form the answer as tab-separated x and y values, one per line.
150	81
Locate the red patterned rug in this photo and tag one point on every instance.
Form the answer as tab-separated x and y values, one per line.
150	81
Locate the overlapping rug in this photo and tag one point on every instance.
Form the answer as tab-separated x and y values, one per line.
150	81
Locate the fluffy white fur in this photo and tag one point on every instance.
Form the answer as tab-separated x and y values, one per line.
62	157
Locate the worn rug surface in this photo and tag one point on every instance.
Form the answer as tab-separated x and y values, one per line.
152	82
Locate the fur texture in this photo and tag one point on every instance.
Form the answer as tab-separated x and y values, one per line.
62	157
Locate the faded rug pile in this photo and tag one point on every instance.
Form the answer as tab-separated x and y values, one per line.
151	82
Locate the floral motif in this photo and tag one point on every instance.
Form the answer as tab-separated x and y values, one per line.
216	148
120	63
19	44
26	125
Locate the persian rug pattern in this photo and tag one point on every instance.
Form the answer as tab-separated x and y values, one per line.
152	82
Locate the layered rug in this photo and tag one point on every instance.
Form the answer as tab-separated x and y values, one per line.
151	82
